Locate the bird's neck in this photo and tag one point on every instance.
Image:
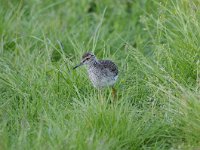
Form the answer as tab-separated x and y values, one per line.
93	63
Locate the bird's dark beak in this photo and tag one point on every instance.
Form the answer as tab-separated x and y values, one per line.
78	65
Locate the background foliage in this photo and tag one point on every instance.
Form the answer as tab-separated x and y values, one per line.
44	104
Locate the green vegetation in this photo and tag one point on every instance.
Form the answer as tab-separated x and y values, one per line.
44	104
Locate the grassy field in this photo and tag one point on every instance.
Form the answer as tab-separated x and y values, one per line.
44	104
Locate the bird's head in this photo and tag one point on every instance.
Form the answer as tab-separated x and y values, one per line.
87	58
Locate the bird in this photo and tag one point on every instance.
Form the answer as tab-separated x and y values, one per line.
102	73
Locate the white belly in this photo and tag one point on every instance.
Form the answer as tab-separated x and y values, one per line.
99	81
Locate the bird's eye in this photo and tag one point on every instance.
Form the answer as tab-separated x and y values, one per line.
87	58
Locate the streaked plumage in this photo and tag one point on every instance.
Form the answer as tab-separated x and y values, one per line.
101	73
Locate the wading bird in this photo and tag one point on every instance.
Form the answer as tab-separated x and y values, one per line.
102	73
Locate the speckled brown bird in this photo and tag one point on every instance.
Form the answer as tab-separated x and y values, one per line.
102	73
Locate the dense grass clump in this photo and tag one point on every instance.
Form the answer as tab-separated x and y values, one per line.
44	104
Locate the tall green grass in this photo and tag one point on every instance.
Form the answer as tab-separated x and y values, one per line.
44	104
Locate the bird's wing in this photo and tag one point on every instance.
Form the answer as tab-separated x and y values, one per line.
109	65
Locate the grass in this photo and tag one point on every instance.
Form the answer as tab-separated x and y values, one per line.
44	104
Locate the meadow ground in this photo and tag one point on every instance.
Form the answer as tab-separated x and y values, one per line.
44	104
